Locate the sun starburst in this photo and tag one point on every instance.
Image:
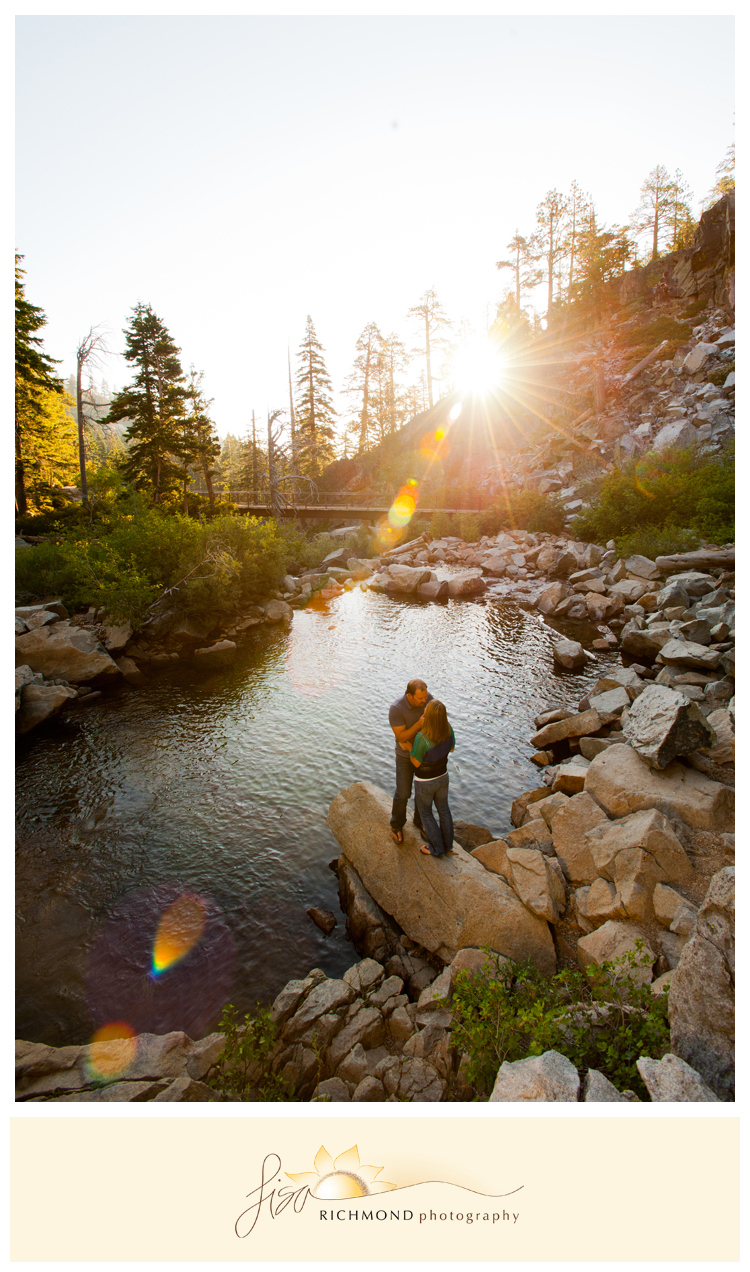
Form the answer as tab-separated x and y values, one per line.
342	1178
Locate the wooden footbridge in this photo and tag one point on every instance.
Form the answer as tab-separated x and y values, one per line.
325	504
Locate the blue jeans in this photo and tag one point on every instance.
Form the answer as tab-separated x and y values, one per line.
439	838
404	779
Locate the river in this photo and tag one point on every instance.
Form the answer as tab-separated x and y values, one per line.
210	791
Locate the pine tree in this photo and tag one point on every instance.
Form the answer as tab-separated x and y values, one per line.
154	406
603	254
35	380
434	323
681	220
548	240
201	445
651	217
359	384
315	412
521	261
578	205
390	407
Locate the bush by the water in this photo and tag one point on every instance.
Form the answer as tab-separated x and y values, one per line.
516	510
603	1021
133	554
659	492
245	1070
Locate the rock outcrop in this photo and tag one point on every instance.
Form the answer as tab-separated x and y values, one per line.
621	783
65	652
444	903
701	998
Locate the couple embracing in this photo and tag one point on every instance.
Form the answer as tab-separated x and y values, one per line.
424	740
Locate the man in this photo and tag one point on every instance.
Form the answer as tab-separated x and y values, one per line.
405	718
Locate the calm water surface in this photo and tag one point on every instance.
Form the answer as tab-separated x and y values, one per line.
214	787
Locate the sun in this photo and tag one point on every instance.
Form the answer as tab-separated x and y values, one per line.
343	1178
478	366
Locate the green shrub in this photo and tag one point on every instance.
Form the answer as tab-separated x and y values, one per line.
606	1021
652	543
530	510
719	374
662	328
440	525
309	552
129	561
695	308
245	1070
467	526
683	488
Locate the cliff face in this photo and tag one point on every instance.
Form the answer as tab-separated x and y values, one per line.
703	271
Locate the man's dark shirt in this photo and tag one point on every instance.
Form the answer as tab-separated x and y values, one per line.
403	713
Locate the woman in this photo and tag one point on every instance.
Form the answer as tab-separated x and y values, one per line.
429	755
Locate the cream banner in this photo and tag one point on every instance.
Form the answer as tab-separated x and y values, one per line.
361	1189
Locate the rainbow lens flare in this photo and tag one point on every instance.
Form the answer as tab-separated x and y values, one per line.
404	505
111	1052
434	446
180	927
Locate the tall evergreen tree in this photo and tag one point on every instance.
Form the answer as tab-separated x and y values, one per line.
603	254
578	204
724	179
548	240
391	362
652	214
35	380
153	405
521	262
681	220
201	445
434	324
315	412
359	385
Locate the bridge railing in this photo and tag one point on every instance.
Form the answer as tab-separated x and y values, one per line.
306	498
344	499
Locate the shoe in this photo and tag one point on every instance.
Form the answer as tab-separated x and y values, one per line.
397	836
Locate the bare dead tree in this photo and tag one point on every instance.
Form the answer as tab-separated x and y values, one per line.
89	354
277	497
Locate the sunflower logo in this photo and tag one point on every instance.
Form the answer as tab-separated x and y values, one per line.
345	1177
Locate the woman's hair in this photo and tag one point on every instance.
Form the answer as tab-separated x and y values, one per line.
436	726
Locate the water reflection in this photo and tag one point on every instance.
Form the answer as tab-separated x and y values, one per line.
218	788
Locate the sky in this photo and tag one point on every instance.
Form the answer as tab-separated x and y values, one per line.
240	173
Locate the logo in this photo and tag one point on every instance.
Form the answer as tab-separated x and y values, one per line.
345	1178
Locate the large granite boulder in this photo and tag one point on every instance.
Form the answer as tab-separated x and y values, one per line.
75	1072
39	702
551	597
671	1079
663	723
701	996
569	826
467	583
550	1076
62	652
621	783
442	903
569	654
370	930
614	940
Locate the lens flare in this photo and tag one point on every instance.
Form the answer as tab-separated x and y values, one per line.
435	446
454	412
180	927
478	367
404	505
111	1051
